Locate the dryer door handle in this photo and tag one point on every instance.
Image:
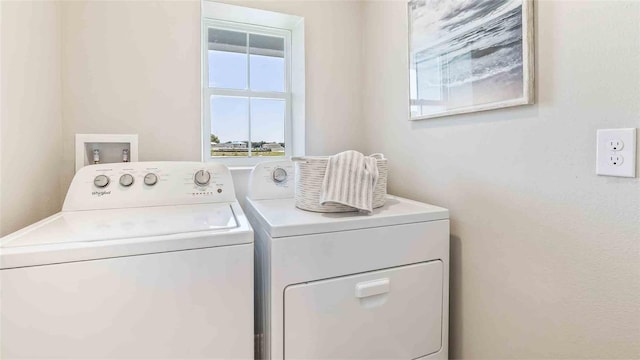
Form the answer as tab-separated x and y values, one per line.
370	288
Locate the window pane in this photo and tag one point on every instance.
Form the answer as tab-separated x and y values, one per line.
229	126
267	127
266	63
227	59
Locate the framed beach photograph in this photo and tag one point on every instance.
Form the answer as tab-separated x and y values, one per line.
469	55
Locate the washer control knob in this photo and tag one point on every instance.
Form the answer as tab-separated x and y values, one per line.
101	181
202	178
279	175
150	179
126	180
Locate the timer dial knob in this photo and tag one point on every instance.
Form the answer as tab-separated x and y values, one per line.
279	175
101	181
126	180
202	178
150	179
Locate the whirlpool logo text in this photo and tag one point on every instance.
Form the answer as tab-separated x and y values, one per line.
101	193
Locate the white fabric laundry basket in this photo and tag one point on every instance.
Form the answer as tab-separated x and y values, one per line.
310	171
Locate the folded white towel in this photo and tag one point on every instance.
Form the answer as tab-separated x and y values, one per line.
350	180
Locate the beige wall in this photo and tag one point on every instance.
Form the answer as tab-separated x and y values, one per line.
30	115
545	254
134	67
333	36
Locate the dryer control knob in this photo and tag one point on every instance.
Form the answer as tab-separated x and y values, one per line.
101	181
202	178
279	175
150	179
126	180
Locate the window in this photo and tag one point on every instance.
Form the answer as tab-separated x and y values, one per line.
248	107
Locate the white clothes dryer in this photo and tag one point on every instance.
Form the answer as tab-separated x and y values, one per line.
347	285
146	260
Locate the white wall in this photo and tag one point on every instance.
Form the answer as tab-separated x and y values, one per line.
30	113
545	254
134	67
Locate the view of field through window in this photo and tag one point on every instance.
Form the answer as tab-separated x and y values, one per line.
244	123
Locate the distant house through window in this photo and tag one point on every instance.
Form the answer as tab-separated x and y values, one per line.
247	89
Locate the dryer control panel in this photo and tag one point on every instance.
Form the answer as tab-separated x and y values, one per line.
272	180
141	184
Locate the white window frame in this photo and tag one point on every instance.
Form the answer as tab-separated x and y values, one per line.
253	21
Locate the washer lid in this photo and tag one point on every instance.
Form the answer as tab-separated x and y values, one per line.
113	224
280	217
98	234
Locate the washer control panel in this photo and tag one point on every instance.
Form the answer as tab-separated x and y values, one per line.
272	180
137	184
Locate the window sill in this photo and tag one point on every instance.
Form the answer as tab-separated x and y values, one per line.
233	162
240	168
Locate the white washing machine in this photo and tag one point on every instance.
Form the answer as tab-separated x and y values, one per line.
146	260
346	285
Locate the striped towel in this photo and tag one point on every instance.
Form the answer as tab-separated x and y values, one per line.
349	180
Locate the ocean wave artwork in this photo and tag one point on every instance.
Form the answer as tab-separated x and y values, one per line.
468	55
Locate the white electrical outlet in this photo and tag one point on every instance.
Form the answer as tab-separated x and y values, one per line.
615	145
616	152
616	160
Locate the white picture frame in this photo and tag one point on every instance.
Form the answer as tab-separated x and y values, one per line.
469	57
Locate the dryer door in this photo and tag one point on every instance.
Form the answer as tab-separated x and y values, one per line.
387	314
